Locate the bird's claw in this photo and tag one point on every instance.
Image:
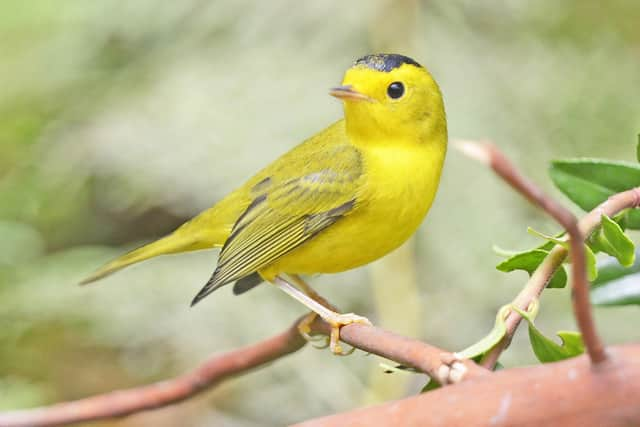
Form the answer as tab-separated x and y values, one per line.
337	322
304	328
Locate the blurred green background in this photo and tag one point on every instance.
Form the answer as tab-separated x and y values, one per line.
119	120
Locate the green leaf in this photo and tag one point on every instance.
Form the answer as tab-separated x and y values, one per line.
617	285
506	253
498	366
592	268
490	340
529	261
431	385
549	351
545	349
550	239
617	243
403	369
589	182
638	148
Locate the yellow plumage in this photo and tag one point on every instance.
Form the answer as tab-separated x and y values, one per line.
341	199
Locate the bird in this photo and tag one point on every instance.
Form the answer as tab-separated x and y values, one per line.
346	196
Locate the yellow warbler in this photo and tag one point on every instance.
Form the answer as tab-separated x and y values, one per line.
344	197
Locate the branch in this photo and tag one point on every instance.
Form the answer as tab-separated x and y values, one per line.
568	393
531	291
490	155
124	402
428	359
438	364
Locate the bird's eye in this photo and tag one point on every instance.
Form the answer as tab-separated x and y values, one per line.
395	90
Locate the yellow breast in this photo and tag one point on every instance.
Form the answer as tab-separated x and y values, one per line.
400	184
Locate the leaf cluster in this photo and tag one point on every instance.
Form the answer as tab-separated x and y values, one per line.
612	265
615	281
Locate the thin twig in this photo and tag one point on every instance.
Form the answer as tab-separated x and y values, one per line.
428	359
491	156
531	291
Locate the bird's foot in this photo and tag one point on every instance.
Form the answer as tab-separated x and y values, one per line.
337	321
304	328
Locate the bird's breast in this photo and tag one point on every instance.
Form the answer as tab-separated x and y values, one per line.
398	188
401	185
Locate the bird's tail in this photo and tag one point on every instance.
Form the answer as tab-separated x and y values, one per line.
171	244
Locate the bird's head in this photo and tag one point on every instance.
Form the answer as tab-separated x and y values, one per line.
389	96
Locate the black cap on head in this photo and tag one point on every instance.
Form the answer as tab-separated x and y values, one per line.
385	61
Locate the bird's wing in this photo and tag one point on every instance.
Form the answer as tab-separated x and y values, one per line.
289	207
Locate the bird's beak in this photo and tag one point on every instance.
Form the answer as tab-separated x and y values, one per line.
348	93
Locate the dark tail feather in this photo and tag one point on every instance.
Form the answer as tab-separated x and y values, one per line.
247	283
243	285
211	286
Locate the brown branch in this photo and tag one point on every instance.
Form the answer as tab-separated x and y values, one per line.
568	393
125	402
531	291
610	207
428	359
433	361
580	284
577	231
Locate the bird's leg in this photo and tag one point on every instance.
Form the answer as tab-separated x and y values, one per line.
336	320
304	326
307	289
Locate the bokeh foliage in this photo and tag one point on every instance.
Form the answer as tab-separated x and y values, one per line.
118	120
